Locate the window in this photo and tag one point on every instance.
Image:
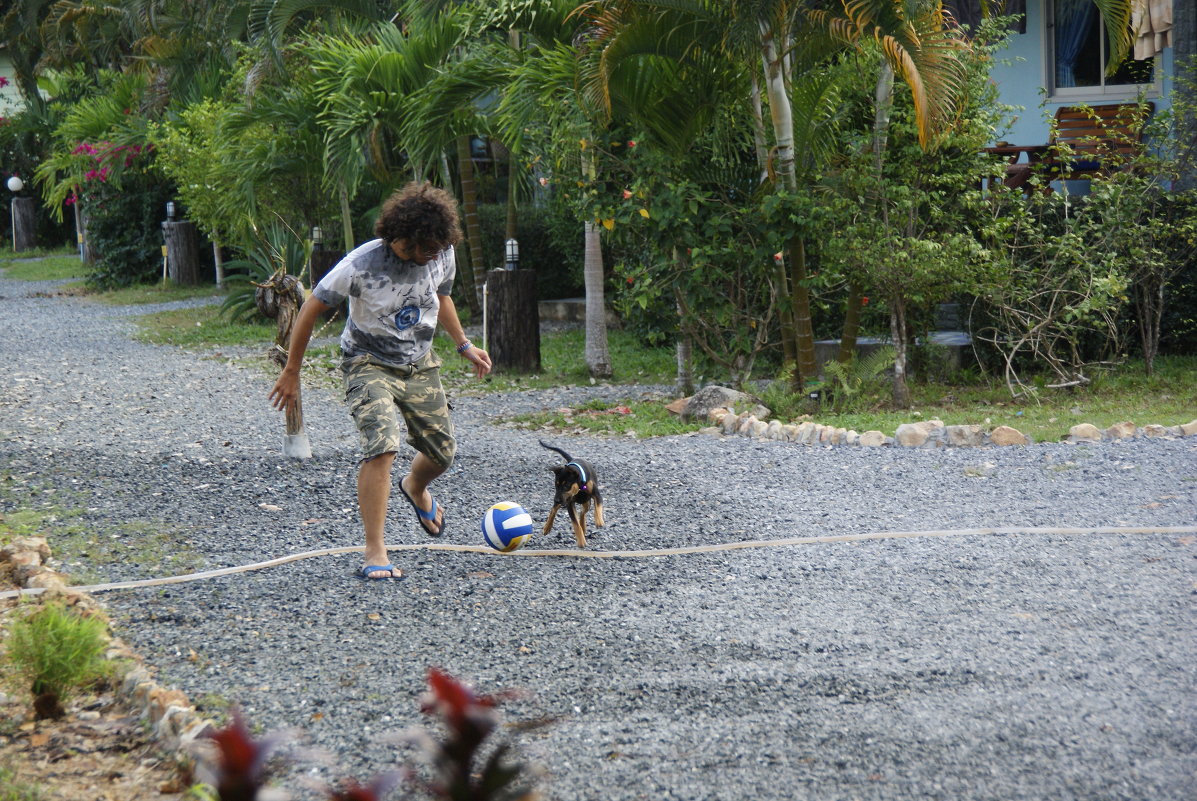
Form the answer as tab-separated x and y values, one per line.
1079	50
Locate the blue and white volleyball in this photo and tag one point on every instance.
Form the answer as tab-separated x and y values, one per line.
506	526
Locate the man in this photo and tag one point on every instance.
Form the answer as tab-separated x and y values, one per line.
398	290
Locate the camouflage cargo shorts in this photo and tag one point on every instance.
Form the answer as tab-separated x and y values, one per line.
377	394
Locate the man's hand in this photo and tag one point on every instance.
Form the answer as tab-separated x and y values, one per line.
286	391
480	359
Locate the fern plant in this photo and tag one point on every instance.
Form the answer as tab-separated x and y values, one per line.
850	384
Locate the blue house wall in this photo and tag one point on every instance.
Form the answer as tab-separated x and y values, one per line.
1022	79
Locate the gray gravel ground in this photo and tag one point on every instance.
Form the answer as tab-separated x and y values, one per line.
977	667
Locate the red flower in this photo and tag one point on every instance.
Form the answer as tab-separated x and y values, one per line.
864	301
631	280
626	194
631	143
3	81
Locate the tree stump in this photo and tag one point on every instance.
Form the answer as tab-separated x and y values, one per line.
513	321
322	262
182	252
280	298
24	224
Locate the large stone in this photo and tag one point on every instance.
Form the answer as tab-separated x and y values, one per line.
1188	429
716	415
1084	432
677	406
699	405
759	428
911	435
773	431
965	436
872	439
730	423
1123	430
37	545
1005	435
1155	430
746	424
852	438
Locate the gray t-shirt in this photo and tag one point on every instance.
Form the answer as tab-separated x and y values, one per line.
393	304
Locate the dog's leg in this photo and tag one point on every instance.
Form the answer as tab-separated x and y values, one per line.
579	524
548	524
598	507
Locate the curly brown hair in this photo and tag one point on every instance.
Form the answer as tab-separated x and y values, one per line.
421	214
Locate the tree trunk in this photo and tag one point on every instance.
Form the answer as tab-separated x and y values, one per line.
598	358
685	359
897	331
283	295
513	321
883	98
182	252
851	324
346	220
469	206
24	224
782	115
218	260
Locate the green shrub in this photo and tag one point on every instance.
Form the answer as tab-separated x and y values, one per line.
550	244
124	227
56	651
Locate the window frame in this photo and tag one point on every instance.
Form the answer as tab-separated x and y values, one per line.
1084	94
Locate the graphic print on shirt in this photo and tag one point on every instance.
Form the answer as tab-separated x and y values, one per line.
409	313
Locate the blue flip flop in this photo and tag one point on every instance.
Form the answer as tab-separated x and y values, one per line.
364	572
430	515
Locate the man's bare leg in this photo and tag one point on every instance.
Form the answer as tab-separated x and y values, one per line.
415	484
373	495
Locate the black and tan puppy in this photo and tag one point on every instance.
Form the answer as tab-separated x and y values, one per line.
576	486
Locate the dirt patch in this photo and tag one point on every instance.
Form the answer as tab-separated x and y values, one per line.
99	751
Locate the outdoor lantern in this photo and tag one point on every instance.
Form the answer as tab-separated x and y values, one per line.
170	211
15	184
513	254
317	237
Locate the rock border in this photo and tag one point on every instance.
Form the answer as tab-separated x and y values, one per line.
175	725
922	434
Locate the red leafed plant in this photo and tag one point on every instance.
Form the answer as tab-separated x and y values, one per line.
236	767
469	719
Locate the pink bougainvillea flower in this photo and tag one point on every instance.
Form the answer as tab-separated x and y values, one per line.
3	81
777	256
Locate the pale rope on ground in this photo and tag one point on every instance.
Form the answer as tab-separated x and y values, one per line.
728	546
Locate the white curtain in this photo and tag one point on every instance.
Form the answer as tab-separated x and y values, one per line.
1152	22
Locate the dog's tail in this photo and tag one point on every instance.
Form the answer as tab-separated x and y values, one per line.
567	457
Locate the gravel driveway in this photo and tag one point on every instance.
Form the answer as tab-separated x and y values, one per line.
1001	666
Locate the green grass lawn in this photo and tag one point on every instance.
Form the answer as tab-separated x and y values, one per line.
202	327
49	267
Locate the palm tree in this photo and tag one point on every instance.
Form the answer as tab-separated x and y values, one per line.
537	86
789	39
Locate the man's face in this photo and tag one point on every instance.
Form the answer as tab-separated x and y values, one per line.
418	252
